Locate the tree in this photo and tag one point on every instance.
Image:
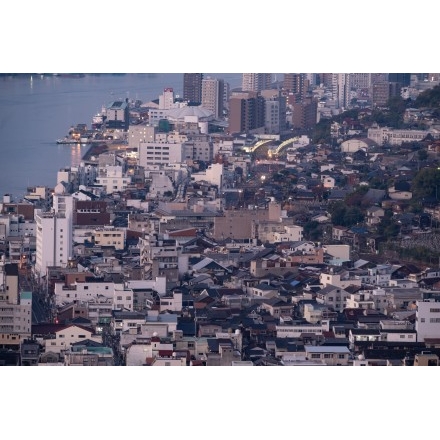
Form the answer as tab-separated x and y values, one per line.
426	183
422	154
388	227
352	216
343	215
429	98
312	230
337	211
355	198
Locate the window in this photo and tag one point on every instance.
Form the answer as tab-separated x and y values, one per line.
341	356
327	356
434	310
316	356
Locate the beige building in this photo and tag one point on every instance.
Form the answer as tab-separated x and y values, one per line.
110	236
330	356
140	133
238	224
212	96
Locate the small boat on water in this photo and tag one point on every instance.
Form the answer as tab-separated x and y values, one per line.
71	141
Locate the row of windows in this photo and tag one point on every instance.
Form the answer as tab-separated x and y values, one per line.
326	356
299	330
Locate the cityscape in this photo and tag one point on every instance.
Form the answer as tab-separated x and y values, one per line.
292	220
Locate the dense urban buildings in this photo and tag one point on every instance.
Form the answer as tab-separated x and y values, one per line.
288	223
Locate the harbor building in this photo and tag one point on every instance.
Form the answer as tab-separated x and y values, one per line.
118	116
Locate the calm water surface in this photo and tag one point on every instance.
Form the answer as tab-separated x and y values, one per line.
35	112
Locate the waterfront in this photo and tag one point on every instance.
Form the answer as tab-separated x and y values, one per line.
36	111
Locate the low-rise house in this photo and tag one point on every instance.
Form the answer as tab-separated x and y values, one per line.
333	296
221	352
374	215
87	354
68	335
277	307
315	313
296	330
264	290
29	353
426	359
361	334
330	355
172	302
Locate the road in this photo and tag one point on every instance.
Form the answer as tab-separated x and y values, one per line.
40	306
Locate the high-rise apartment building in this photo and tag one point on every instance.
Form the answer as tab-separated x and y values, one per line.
304	114
256	82
192	87
246	112
343	90
297	84
380	93
212	96
274	111
54	242
360	80
403	78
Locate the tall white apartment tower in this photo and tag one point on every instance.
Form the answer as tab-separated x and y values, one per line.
212	96
256	82
343	89
54	242
166	100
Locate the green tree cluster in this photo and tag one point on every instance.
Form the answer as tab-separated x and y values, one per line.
426	183
343	215
428	98
388	227
312	230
